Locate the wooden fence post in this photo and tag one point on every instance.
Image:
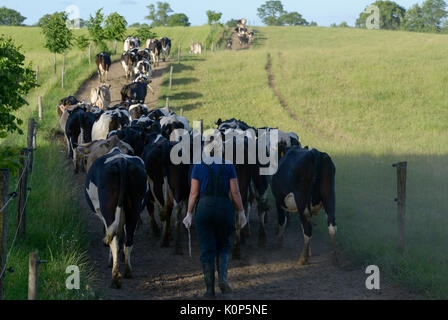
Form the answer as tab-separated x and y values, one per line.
167	104
90	53
401	201
171	77
4	186
22	191
31	140
181	112
33	276
63	71
40	107
178	55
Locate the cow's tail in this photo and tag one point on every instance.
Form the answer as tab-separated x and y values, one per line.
117	227
316	155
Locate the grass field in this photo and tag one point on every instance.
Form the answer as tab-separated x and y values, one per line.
369	99
55	227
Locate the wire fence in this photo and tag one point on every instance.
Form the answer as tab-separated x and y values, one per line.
26	169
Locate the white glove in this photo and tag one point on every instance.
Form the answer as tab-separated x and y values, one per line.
242	219
188	219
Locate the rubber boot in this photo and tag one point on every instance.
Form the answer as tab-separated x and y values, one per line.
223	263
209	277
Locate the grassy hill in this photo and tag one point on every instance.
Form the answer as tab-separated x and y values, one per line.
369	99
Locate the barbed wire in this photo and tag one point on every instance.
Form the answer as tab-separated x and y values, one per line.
13	195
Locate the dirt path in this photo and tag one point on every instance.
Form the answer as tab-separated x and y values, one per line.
270	273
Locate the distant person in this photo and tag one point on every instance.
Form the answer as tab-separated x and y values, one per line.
213	188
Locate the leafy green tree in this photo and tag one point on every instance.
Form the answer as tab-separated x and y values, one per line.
10	17
271	12
82	42
115	28
178	20
58	38
232	23
16	80
293	19
313	24
434	11
135	25
391	15
413	19
96	30
213	16
144	33
160	16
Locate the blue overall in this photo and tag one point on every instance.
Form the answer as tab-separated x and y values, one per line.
214	217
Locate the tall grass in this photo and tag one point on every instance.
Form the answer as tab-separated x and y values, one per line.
369	99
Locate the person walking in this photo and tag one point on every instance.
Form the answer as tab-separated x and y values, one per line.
214	187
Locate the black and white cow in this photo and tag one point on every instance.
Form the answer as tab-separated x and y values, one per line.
134	92
131	43
128	61
172	122
169	187
155	48
303	184
103	63
109	121
136	111
65	103
143	67
78	130
116	191
166	47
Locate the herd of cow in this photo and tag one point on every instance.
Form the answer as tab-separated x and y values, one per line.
125	151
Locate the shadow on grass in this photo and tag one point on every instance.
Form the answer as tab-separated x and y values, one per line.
182	81
183	96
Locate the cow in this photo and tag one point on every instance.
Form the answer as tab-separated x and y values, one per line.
303	184
143	54
128	61
172	122
166	47
131	43
88	153
100	96
143	67
65	103
157	114
137	111
78	130
251	36
134	92
109	121
169	187
155	48
103	63
116	191
195	48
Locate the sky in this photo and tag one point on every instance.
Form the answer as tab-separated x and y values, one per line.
324	12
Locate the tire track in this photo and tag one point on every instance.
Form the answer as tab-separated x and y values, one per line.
285	106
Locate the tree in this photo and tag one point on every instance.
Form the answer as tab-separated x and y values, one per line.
16	80
232	23
10	17
413	19
115	28
178	20
96	31
292	19
144	33
433	13
391	15
213	16
313	24
159	17
270	12
58	38
82	42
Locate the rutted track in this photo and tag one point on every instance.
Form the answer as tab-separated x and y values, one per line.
270	273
